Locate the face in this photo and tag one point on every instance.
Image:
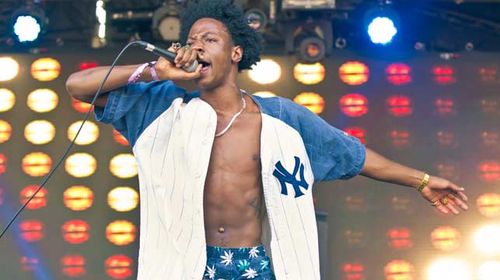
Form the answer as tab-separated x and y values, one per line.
216	52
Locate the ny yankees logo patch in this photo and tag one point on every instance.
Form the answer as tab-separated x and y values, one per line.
286	177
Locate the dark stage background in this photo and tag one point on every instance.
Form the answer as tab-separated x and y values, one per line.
436	113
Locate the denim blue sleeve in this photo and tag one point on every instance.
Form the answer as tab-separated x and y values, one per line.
132	108
333	153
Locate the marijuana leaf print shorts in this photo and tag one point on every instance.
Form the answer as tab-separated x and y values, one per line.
237	263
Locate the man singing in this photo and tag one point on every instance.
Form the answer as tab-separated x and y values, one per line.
226	177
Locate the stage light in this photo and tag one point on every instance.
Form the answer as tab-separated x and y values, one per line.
36	164
79	106
39	132
445	238
398	74
487	241
32	230
7	100
489	138
489	171
75	231
29	263
354	105
353	270
123	166
123	199
266	71
38	201
45	69
3	163
354	73
399	238
78	198
264	94
357	132
118	266
444	74
489	270
381	24
307	4
309	74
119	138
400	138
121	232
399	105
447	169
42	100
381	30
449	268
5	131
256	19
488	205
28	23
446	138
80	165
88	134
73	266
399	270
166	22
355	238
311	100
444	106
9	68
355	203
311	40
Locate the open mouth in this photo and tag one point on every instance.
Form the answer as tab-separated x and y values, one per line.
204	65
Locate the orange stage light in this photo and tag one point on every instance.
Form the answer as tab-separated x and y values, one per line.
399	270
75	231
7	99
354	73
121	232
399	105
312	101
36	164
45	69
398	74
354	105
78	198
309	74
446	238
119	266
488	205
40	199
32	230
73	266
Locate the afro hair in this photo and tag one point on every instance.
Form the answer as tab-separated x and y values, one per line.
232	17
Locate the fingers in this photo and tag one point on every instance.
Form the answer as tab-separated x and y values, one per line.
185	57
440	207
458	201
449	203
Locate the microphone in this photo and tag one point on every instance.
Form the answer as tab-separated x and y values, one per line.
168	55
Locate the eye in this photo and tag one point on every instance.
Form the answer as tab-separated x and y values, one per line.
211	40
189	43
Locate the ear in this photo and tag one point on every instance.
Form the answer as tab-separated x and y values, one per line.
237	54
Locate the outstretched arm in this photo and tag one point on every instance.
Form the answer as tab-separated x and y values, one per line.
443	194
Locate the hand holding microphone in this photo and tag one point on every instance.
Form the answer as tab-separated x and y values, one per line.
176	63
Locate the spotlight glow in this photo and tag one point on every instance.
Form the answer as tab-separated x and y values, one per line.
7	99
487	241
9	68
39	132
489	270
449	269
266	71
27	28
123	166
42	100
88	134
123	199
381	30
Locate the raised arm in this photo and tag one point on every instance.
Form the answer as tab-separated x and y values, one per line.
84	84
443	194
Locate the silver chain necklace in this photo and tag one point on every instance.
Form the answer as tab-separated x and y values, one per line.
234	117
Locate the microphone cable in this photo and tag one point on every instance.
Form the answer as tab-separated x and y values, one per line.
68	148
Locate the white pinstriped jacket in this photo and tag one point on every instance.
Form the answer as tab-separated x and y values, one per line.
172	133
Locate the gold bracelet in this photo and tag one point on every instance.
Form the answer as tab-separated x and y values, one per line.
424	182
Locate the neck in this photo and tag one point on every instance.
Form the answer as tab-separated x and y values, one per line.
224	99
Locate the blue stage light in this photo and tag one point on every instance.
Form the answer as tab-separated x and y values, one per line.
28	23
27	28
382	30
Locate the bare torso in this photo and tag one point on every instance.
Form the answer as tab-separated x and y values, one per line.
233	200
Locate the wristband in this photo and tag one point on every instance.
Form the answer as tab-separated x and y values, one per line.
137	74
152	71
424	182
